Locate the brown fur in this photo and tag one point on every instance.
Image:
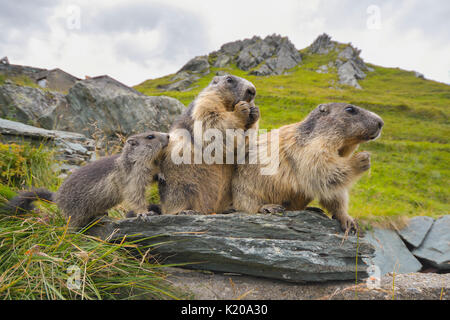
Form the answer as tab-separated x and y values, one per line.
316	160
91	190
227	103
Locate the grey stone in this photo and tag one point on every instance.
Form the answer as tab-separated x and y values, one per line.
416	230
348	74
419	75
435	248
322	69
298	246
222	61
70	147
391	254
198	64
114	108
322	44
30	105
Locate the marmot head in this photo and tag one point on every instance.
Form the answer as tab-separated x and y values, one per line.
145	147
232	89
341	123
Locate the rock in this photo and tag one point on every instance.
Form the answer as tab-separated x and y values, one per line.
114	108
30	105
298	246
222	61
322	69
391	254
435	248
322	44
416	230
74	148
348	74
419	75
232	286
198	64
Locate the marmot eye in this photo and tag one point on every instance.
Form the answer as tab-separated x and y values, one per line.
230	80
150	137
350	110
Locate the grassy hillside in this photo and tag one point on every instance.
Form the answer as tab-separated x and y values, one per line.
410	162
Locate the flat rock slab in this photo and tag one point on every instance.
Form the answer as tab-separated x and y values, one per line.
416	230
202	285
298	246
436	246
391	253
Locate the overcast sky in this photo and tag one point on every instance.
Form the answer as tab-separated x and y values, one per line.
136	40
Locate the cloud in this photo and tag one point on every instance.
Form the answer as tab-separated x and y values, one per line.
135	40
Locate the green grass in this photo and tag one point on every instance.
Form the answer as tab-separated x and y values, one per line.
410	162
37	250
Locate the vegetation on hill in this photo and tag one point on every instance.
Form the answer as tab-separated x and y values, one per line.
410	162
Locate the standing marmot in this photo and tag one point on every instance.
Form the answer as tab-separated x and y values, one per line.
316	160
93	189
226	103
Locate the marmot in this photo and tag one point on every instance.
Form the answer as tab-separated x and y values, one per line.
93	189
226	103
316	160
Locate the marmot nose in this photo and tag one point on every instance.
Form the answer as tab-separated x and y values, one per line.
250	94
380	124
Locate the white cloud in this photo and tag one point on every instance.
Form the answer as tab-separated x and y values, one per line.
136	40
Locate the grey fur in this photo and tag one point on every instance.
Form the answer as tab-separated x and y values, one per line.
93	189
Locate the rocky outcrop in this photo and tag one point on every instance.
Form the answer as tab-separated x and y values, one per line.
391	254
297	246
30	105
105	104
416	230
272	55
350	67
96	105
72	148
435	248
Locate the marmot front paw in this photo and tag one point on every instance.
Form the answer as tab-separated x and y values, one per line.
362	161
247	111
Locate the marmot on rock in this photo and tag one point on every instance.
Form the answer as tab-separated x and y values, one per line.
316	161
91	190
226	103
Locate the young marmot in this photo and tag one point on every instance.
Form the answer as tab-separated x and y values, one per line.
316	160
93	189
226	103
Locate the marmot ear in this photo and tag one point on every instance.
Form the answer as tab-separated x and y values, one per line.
132	142
215	80
323	108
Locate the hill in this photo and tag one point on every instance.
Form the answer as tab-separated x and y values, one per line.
410	162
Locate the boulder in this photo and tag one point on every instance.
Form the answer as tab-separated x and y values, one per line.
73	148
322	44
416	230
198	64
348	74
104	104
391	254
30	105
297	246
435	248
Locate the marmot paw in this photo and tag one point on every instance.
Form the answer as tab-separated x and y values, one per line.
362	161
248	111
272	209
348	225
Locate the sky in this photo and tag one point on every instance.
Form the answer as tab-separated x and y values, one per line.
136	40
